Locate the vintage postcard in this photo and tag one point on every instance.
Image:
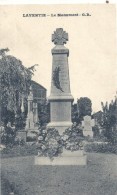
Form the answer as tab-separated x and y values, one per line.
58	84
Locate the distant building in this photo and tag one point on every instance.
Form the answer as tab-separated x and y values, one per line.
39	92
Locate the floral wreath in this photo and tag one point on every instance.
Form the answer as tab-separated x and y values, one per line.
49	143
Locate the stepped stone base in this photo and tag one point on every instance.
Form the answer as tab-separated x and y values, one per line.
60	126
36	130
67	158
22	134
88	133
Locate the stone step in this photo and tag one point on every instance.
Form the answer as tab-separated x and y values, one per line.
72	153
63	160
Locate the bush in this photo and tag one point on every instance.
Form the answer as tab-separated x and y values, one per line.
8	136
17	150
102	148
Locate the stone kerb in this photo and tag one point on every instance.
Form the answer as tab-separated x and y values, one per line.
66	158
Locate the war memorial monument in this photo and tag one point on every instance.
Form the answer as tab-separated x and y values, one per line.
61	101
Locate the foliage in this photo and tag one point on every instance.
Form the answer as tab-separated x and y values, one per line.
13	78
80	109
44	113
84	106
98	117
95	130
20	120
19	150
75	114
7	115
109	121
8	136
101	147
14	83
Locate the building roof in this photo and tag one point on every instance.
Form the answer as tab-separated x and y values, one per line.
35	83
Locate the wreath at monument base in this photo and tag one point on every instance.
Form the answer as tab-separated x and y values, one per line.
73	139
50	143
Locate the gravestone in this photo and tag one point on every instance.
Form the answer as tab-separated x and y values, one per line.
32	116
60	98
29	120
22	134
35	112
87	124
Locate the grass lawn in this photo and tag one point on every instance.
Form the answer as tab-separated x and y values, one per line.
99	177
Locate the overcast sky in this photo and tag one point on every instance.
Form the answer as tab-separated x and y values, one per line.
92	45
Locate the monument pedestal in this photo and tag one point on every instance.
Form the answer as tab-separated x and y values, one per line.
60	113
66	158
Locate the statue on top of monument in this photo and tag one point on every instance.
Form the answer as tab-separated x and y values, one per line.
59	37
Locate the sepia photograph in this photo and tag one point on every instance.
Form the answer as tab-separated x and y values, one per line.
58	106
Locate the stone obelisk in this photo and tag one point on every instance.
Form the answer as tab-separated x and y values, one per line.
29	120
60	97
